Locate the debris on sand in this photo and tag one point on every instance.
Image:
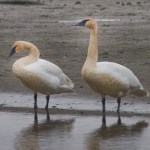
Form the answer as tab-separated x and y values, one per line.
77	2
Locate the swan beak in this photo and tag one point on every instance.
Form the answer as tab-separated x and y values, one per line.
12	52
82	23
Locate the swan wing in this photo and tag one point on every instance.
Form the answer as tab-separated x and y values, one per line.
121	73
50	73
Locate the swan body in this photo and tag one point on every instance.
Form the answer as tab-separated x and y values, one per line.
107	78
38	74
43	77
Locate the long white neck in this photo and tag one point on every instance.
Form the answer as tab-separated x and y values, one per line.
92	55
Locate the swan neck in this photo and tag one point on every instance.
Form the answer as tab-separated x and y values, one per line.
92	55
33	52
32	57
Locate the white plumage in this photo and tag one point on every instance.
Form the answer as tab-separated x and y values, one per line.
121	73
53	80
107	78
38	74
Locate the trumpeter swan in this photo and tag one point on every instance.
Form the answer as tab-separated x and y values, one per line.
38	74
107	78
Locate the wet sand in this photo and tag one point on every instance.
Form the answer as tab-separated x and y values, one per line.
72	104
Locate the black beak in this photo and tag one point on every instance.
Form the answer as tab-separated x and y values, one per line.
12	52
82	23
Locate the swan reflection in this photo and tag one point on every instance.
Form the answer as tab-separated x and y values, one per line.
42	133
117	133
36	116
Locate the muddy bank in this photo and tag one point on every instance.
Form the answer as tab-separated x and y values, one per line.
73	104
125	41
59	111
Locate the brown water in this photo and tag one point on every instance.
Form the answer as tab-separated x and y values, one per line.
64	132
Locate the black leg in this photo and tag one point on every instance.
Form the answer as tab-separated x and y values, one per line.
103	117
118	101
118	110
48	116
35	101
35	115
47	102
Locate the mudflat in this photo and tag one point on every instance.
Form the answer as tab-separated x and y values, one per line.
123	28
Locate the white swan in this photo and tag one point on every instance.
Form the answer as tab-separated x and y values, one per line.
107	78
38	74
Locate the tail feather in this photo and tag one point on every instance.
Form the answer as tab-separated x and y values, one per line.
70	83
141	93
148	95
67	86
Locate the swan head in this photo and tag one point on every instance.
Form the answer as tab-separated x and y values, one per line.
17	47
88	22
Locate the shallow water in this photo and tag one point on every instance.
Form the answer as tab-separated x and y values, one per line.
21	132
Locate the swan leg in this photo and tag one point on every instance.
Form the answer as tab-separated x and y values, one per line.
35	115
35	101
46	107
47	102
48	116
35	107
104	116
118	110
